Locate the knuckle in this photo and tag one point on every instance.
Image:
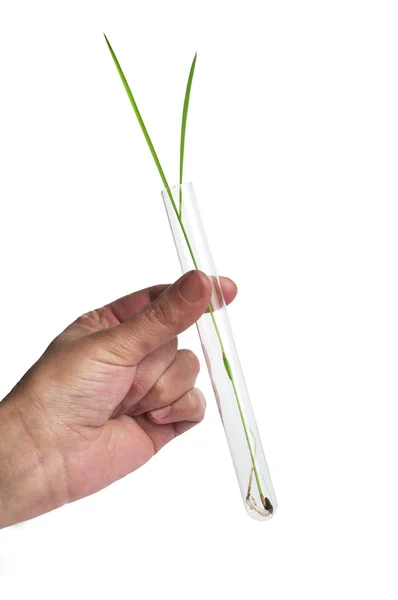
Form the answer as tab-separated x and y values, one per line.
169	350
191	359
139	387
173	345
196	404
160	391
160	313
89	317
192	401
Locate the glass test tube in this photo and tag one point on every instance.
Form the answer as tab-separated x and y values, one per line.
221	357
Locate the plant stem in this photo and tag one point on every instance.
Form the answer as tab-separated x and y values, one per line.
225	359
242	416
178	212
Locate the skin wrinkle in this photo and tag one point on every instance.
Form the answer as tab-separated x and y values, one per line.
125	347
4	458
108	363
64	466
144	419
161	314
150	296
151	442
36	450
160	390
85	433
56	446
138	387
36	405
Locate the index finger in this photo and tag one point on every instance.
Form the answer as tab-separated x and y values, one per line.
176	309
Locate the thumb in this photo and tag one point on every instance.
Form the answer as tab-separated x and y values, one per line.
176	309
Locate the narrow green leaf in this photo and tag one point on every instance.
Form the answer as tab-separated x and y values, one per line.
178	213
184	124
138	115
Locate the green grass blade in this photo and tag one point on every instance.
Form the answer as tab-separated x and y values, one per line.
184	124
178	214
137	114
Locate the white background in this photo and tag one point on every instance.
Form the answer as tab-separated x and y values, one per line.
292	145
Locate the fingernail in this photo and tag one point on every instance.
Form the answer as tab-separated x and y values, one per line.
161	413
191	287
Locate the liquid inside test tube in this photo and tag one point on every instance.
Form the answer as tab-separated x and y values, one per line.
222	358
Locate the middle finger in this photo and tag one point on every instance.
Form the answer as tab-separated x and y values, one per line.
177	379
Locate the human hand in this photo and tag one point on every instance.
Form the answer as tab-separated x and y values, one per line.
108	393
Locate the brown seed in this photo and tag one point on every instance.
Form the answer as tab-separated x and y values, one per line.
267	504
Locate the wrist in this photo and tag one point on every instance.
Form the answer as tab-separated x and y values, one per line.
32	475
